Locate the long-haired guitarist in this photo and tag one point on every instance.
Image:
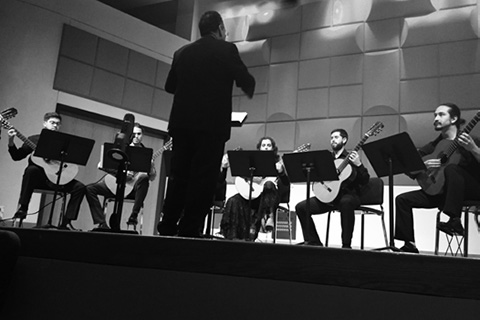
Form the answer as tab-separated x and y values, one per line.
34	176
452	176
237	222
347	200
137	187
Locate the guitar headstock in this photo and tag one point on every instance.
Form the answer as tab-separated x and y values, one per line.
5	115
304	148
375	129
168	145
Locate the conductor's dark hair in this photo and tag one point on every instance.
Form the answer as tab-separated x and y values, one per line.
342	132
209	22
454	112
50	115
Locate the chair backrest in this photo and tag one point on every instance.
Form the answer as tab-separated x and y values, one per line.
372	193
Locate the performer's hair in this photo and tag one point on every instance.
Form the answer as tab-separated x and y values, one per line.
342	132
454	111
209	22
49	115
274	144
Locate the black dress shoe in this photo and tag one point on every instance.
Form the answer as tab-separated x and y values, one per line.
132	220
451	227
20	214
410	248
310	243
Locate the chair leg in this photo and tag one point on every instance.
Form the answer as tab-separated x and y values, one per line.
465	234
362	232
437	233
274	232
289	221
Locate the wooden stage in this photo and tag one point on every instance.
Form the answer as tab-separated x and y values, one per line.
70	264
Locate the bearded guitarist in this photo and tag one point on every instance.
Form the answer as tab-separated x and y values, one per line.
34	176
139	183
452	176
347	200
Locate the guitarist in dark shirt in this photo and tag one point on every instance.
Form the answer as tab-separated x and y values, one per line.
461	174
140	181
34	176
346	201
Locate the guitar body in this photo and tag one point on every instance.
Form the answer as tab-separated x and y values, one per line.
432	180
52	169
327	191
111	182
243	186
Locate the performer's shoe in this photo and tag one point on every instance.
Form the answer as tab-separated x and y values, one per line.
166	230
409	248
269	224
20	214
451	227
310	243
132	220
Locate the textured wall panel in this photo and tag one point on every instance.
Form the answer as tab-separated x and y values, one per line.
346	70
444	4
312	104
138	97
383	35
236	28
314	73
112	57
285	48
246	136
387	9
441	26
261	75
350	11
78	84
282	92
162	104
256	53
317	132
381	80
283	133
256	107
273	23
345	101
452	64
420	127
462	90
142	68
162	73
107	87
419	62
331	41
78	44
317	15
418	95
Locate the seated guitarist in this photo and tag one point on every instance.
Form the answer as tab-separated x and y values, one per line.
346	201
237	222
139	191
462	178
34	176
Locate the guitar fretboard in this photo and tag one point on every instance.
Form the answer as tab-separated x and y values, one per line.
455	144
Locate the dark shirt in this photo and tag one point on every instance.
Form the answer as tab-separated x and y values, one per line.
358	178
21	153
201	78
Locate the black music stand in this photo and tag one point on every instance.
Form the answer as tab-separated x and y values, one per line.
66	148
138	159
249	164
388	157
309	167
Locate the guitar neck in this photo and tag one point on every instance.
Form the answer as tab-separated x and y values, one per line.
345	162
455	144
27	141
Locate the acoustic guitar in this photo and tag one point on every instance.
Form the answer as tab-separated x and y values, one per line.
243	184
327	191
51	167
432	180
132	177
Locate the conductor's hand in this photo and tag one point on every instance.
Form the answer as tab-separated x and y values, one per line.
354	158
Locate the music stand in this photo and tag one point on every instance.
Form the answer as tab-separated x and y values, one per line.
309	167
252	163
66	148
138	159
388	157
